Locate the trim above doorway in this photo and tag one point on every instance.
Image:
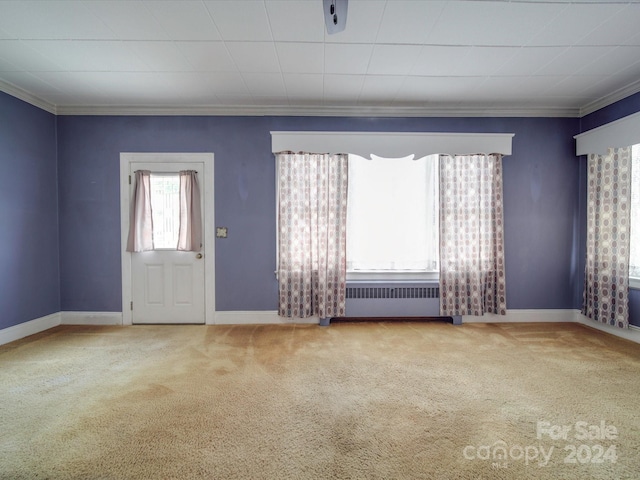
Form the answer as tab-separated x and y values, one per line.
207	190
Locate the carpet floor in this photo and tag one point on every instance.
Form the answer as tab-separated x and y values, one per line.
369	400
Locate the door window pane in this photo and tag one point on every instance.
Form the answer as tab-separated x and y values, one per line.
165	210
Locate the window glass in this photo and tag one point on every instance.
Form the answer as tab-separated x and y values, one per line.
392	218
165	210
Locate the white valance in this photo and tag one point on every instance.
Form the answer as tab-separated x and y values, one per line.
392	144
617	134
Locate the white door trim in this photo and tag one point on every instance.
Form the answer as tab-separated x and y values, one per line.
209	231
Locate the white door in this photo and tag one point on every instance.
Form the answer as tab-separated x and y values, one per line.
168	286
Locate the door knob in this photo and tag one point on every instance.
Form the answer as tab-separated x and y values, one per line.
199	256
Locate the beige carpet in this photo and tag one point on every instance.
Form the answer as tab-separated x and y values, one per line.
370	400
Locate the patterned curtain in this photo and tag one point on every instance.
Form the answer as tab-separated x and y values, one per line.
140	220
472	277
606	286
190	231
312	214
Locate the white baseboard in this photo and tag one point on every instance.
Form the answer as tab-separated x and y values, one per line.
31	327
258	317
91	318
524	316
38	325
632	333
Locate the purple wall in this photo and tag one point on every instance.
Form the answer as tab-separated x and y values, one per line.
612	112
542	197
29	272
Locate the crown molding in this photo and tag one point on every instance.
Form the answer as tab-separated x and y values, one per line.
317	111
25	96
320	110
614	97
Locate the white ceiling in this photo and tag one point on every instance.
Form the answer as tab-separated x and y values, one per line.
395	57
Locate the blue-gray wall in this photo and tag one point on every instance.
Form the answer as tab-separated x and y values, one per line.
74	163
610	113
29	274
541	201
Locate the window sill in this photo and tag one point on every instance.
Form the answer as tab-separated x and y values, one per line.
391	277
634	283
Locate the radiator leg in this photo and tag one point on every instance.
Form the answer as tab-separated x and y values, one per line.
457	319
325	322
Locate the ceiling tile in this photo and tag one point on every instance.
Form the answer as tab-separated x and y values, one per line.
575	20
87	55
439	60
254	56
271	101
207	56
265	84
128	20
346	58
52	20
296	21
304	85
484	60
393	59
363	20
513	88
401	52
30	83
234	100
226	83
4	35
71	82
574	85
529	60
573	59
185	20
616	60
619	29
160	56
491	23
248	22
6	66
342	87
408	21
24	57
301	57
381	87
435	88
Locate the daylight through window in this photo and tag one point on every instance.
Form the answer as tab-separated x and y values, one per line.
392	217
165	210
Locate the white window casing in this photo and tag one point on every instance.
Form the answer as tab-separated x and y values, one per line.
391	144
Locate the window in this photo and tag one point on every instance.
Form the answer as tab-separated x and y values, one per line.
165	210
392	216
634	257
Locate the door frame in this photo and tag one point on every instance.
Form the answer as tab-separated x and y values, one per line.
206	187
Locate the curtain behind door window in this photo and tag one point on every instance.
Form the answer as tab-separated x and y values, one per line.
190	232
140	220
